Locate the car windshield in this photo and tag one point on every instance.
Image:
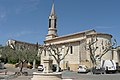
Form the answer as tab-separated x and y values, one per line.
41	65
80	66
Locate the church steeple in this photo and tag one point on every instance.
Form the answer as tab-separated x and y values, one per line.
53	10
52	31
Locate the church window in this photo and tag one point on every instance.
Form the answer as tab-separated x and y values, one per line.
55	23
49	23
71	49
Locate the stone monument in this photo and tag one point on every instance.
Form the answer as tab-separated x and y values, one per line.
47	74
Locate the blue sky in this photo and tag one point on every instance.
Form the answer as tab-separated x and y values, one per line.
27	20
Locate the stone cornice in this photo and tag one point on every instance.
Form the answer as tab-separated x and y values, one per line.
70	35
99	34
25	43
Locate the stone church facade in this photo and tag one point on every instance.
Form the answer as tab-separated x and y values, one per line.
78	53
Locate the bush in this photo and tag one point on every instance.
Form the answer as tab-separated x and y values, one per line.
12	61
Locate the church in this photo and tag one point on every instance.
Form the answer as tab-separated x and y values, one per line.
79	42
78	53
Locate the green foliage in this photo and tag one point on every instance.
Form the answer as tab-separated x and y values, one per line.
12	61
4	53
15	56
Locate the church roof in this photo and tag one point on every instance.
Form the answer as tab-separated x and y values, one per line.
76	36
73	34
98	33
25	43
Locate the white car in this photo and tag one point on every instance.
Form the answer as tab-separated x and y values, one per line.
83	69
40	68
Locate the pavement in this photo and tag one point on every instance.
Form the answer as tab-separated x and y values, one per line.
67	75
11	74
8	75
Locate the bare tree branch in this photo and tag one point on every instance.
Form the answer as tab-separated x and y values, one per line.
52	54
55	51
65	54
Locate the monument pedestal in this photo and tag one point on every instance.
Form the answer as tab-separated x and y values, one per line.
48	65
47	76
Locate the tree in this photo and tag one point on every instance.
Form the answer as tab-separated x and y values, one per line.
55	52
24	52
92	51
6	54
96	58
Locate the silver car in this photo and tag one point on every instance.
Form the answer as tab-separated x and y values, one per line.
83	69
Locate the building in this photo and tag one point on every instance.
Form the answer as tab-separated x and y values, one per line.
116	55
79	52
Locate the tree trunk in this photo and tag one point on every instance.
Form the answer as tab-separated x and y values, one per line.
21	66
58	66
34	62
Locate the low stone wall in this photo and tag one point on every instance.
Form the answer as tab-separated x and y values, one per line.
47	76
10	65
74	67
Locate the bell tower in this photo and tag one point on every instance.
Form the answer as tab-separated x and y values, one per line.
52	31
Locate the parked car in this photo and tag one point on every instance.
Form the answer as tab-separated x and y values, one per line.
109	65
54	68
118	68
83	69
40	68
106	66
98	70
